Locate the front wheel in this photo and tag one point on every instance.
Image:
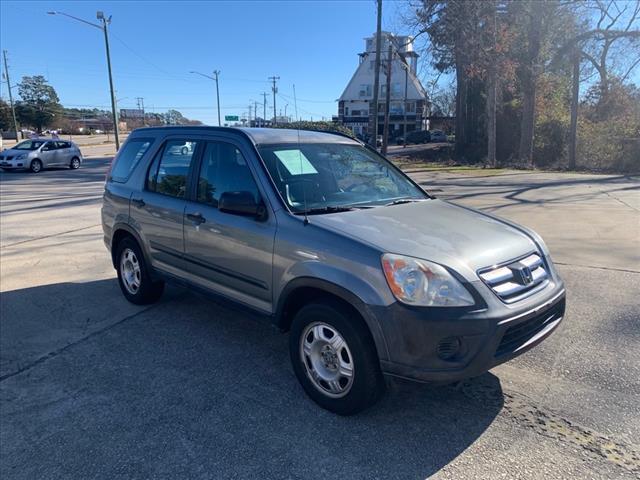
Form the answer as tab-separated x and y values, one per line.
133	275
334	358
75	163
36	166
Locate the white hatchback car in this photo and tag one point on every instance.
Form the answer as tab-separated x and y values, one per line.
38	153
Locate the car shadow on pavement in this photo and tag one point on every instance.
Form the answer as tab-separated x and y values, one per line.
191	389
92	170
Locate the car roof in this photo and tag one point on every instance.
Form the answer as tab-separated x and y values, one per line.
261	136
46	139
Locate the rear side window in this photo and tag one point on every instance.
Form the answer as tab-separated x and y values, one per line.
63	144
128	158
169	172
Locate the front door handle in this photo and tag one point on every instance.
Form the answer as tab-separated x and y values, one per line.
196	218
138	202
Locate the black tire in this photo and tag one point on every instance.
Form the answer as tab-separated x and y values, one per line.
35	166
184	150
75	163
148	291
367	384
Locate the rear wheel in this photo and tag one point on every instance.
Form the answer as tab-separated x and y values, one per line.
133	274
334	358
75	163
36	166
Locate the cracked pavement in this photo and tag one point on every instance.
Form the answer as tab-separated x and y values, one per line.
94	387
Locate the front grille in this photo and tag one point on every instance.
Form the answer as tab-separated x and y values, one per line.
517	335
518	279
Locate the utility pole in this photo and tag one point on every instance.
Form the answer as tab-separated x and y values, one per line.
13	110
264	107
274	79
385	138
373	112
249	115
103	27
255	112
216	73
406	82
140	103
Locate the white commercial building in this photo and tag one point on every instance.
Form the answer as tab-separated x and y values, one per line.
408	102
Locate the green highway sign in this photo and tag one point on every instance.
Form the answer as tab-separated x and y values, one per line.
231	118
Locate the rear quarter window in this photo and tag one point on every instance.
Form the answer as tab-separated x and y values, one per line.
128	158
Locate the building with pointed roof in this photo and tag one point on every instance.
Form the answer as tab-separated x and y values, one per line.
408	102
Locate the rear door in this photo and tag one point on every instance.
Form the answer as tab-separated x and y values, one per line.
157	210
63	153
227	253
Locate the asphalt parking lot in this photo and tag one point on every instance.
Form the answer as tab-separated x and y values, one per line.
94	387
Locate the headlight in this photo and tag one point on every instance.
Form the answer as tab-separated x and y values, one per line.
22	156
422	283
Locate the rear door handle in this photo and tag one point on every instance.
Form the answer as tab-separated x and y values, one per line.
196	218
138	202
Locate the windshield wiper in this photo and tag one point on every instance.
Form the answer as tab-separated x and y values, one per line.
400	201
327	209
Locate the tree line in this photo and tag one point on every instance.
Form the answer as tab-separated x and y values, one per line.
541	83
38	108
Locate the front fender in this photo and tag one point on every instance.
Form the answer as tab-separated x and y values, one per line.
338	282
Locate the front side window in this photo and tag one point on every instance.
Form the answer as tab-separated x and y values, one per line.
128	158
223	169
169	172
317	176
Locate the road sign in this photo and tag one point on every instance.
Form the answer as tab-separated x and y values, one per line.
231	118
131	113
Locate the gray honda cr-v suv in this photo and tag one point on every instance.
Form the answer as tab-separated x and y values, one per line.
319	233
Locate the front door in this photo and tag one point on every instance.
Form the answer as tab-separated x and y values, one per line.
227	253
158	210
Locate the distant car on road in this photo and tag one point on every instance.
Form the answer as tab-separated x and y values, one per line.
38	153
184	149
416	136
438	136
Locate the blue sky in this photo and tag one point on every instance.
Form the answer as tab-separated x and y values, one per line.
154	45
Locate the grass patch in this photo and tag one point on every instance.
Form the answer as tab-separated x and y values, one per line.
409	165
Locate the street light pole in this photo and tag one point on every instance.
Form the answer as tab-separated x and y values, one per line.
103	27
215	79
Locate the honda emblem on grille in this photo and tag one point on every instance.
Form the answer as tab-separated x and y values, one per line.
523	274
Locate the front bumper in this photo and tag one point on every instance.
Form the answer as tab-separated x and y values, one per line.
442	345
14	164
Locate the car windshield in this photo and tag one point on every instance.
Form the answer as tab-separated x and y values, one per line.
29	145
321	177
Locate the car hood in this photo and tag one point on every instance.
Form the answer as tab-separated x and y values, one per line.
461	238
11	151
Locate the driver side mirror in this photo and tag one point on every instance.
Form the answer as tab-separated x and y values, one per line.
242	203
